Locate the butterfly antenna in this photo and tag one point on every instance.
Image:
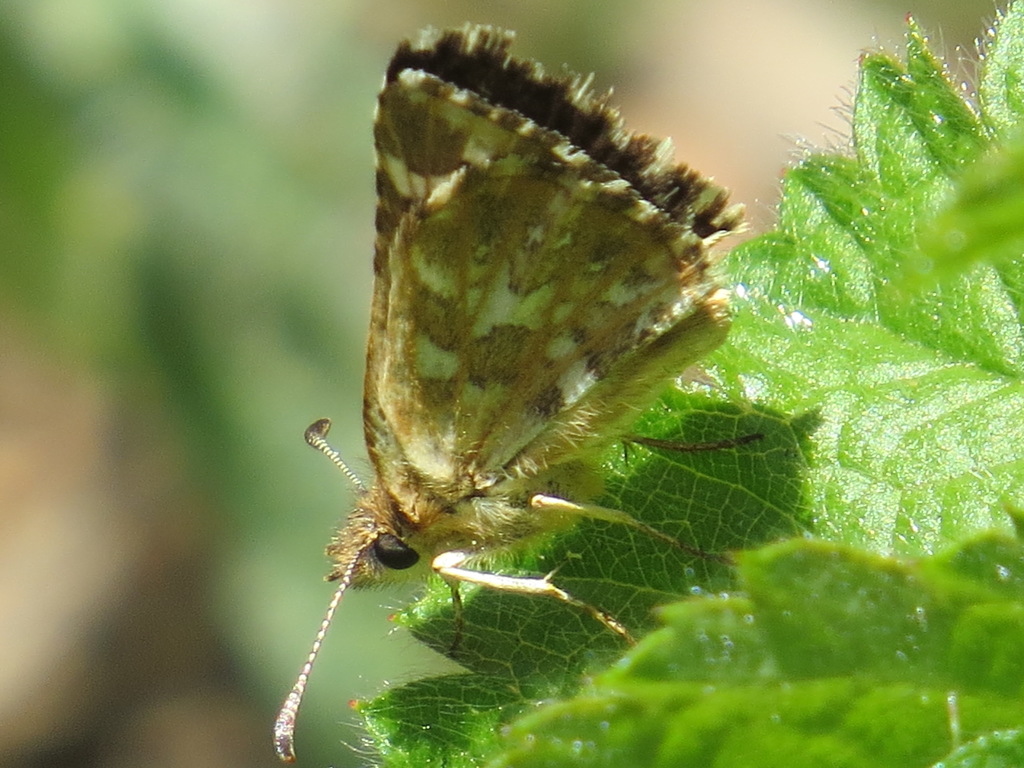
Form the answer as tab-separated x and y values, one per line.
316	437
284	726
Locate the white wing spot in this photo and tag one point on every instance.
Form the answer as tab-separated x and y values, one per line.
477	154
535	235
575	382
620	295
397	171
443	187
434	362
561	346
503	307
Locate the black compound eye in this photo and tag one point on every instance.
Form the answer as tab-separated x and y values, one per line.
394	553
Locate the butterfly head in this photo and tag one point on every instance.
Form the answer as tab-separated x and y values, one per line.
372	543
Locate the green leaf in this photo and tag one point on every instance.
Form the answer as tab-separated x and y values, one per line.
891	411
983	221
1001	89
917	393
422	721
830	650
1002	749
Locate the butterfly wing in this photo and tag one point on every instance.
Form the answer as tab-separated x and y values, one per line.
534	288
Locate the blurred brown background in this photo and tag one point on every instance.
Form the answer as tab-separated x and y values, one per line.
185	237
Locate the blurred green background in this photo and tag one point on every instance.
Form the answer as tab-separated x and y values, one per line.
186	208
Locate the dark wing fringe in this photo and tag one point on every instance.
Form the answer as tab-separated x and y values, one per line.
476	58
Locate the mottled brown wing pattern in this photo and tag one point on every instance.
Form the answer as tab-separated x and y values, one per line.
529	298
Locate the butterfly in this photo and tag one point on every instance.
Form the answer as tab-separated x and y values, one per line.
540	274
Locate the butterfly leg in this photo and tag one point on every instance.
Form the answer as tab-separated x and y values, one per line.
449	566
457	610
553	503
681	447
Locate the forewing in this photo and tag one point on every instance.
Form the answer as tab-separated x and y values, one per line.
528	298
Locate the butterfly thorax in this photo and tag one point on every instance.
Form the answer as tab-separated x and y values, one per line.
494	514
